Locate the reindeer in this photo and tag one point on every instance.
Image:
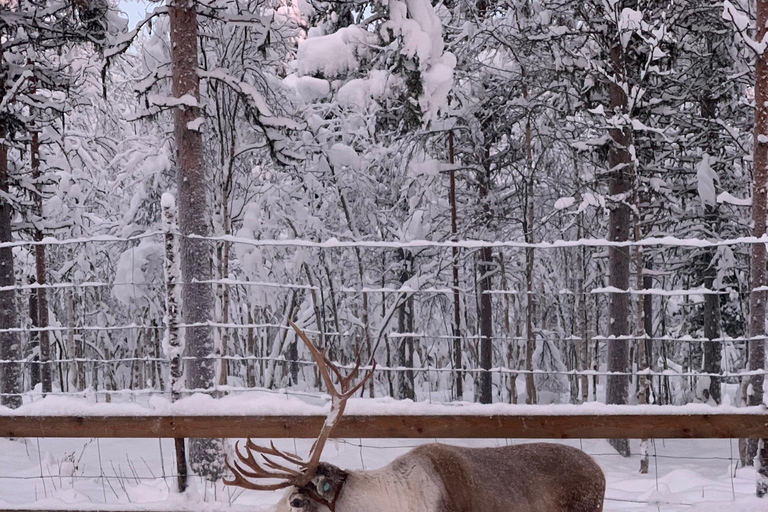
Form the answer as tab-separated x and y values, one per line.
536	477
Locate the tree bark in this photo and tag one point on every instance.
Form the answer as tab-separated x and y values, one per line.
484	270
174	345
620	163
712	349
643	391
205	454
757	260
41	293
583	316
485	267
530	299
530	303
10	346
457	345
34	368
405	383
511	343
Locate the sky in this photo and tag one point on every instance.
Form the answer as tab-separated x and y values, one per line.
135	9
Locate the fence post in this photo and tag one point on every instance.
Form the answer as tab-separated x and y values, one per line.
173	344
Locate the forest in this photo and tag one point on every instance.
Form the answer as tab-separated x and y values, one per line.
516	201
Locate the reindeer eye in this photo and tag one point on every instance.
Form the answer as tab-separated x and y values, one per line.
297	503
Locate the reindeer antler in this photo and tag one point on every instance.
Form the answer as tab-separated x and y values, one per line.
268	468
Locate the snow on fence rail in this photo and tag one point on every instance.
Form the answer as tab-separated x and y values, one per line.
287	416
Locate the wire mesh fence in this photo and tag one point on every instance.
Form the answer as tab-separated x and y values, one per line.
384	299
104	473
389	300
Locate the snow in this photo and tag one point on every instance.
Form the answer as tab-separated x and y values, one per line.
738	17
309	88
332	55
252	95
437	83
340	155
162	100
741	23
707	177
137	475
660	241
630	21
167	200
267	403
359	91
727	198
196	124
133	268
422	40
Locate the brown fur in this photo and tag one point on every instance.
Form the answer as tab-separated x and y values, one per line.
536	477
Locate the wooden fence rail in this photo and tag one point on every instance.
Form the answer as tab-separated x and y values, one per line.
541	426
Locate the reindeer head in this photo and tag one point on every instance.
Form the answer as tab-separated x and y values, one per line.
312	485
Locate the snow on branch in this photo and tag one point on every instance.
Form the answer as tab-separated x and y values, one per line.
125	40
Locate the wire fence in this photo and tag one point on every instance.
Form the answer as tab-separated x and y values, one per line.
141	475
109	322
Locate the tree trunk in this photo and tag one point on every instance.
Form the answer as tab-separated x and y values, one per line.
405	382
10	346
508	329
583	316
530	299
174	344
250	351
620	163
757	263
205	454
34	367
224	296
457	339
485	267
63	368
41	293
643	390
712	349
367	321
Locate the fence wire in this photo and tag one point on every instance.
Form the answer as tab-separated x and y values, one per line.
107	472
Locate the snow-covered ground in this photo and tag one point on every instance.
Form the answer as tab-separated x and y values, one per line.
686	475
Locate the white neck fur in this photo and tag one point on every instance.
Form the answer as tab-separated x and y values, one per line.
409	488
